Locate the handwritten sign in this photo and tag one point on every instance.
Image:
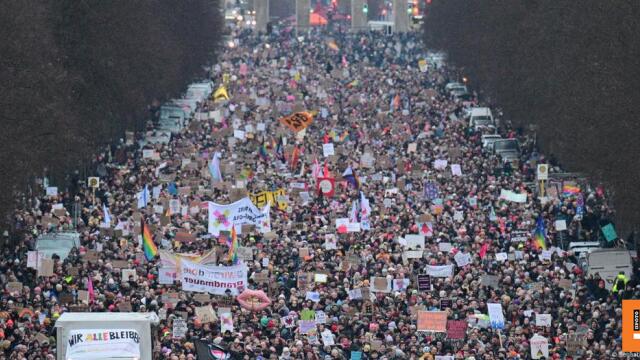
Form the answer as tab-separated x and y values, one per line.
432	321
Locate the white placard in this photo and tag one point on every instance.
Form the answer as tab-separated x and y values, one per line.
328	149
102	343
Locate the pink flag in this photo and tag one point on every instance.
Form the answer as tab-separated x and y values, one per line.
483	250
92	294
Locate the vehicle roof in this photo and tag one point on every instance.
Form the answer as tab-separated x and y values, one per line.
106	316
479	111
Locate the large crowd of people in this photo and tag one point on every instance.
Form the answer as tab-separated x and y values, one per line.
390	121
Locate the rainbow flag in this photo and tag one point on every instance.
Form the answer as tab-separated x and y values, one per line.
150	249
233	247
262	150
568	190
539	234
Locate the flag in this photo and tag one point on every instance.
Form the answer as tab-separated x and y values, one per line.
295	155
221	94
233	248
344	137
539	234
107	215
325	170
365	212
316	169
264	226
92	293
280	151
262	151
353	215
331	44
351	177
149	247
172	189
569	190
483	250
143	197
214	167
208	351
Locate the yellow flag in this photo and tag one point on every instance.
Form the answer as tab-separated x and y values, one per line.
221	94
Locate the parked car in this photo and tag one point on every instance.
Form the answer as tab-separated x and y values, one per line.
489	139
508	149
481	117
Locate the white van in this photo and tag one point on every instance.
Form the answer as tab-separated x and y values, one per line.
481	117
608	263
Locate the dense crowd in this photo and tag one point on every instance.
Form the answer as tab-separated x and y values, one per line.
389	121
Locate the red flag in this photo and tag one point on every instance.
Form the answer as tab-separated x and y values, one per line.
294	157
483	250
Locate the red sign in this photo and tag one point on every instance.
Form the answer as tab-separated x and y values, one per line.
326	186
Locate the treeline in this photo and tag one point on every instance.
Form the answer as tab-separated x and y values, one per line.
571	68
77	73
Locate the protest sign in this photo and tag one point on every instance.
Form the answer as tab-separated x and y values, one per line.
456	329
462	259
561	225
328	149
45	267
495	315
213	279
440	270
432	321
414	241
543	319
206	314
297	121
108	342
490	281
226	322
424	282
512	196
179	328
14	287
380	284
539	347
224	217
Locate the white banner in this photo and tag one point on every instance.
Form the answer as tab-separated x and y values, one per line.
103	343
513	196
213	279
440	270
241	212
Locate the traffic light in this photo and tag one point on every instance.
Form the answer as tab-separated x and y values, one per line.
365	8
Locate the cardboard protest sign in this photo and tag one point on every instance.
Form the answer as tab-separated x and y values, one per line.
432	321
297	121
45	267
380	284
456	329
543	319
179	328
14	287
206	314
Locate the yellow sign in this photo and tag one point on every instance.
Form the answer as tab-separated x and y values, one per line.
298	121
262	198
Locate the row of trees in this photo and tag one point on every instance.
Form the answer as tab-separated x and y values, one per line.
571	68
77	73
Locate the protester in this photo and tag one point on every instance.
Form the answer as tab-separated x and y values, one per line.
389	122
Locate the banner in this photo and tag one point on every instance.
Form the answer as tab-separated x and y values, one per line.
262	198
213	279
433	321
298	121
241	212
440	270
512	196
103	343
